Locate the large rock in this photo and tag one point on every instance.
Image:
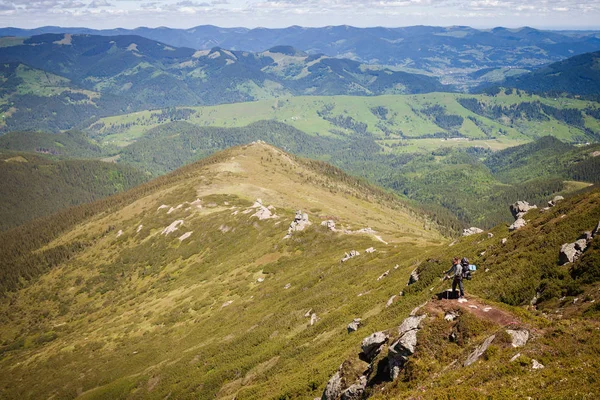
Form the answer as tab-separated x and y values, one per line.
520	208
519	337
414	276
299	223
474	356
355	392
581	245
353	326
330	224
518	224
568	253
471	231
333	390
352	254
372	344
555	200
405	346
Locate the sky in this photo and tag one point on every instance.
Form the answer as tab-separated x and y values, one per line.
103	14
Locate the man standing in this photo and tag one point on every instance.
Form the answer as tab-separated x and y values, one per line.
456	273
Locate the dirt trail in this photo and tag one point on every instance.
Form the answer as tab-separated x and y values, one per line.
476	307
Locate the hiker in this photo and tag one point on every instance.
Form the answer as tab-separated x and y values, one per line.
456	273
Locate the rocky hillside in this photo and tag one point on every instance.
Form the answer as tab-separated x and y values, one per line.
255	274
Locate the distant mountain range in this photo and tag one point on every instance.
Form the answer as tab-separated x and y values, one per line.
102	75
435	49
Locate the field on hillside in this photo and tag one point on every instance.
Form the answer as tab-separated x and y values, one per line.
401	123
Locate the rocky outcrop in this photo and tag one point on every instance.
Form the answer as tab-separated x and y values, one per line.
390	301
520	208
490	235
414	276
173	227
518	224
355	392
535	364
519	337
352	254
471	231
333	390
354	325
299	223
405	346
569	252
330	225
479	350
371	345
370	250
555	200
313	319
386	273
504	240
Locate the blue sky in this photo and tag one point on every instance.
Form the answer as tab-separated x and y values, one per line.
565	14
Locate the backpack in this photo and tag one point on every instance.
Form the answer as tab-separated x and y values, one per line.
466	270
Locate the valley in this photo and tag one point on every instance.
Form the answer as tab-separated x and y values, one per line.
271	213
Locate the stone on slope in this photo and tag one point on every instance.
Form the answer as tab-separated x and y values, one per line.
353	326
479	350
333	390
520	208
536	364
355	391
330	224
299	223
518	224
405	346
471	231
173	227
414	276
352	254
390	301
313	319
519	337
568	253
371	344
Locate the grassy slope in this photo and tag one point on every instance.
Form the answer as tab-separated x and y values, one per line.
34	186
403	115
149	308
142	315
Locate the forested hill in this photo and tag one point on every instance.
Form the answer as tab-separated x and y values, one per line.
578	75
107	75
34	186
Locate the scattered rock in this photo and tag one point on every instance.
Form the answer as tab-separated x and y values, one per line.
299	223
260	280
568	253
287	286
355	392
405	346
313	319
536	364
224	228
352	254
471	231
372	344
414	276
479	350
390	301
504	240
185	236
330	224
264	213
173	227
370	250
514	358
139	228
520	208
555	200
518	224
227	303
451	316
386	273
120	232
162	206
354	325
519	337
490	235
308	313
482	254
396	266
333	390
